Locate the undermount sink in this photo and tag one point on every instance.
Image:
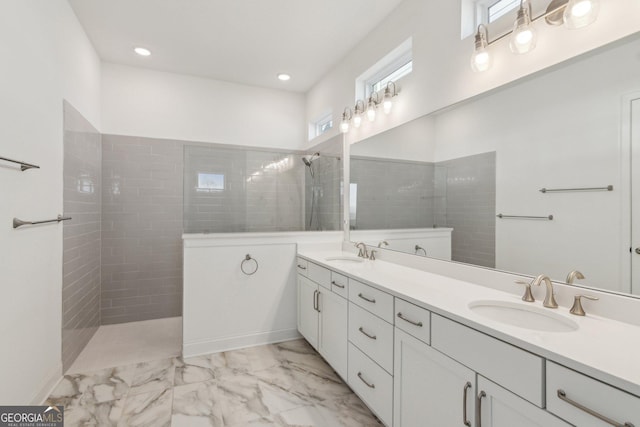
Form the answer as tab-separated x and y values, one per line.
523	315
345	259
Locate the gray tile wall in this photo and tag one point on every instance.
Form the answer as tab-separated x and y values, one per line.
325	186
263	191
393	193
81	236
141	229
471	208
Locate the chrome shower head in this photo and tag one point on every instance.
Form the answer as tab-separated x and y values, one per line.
308	159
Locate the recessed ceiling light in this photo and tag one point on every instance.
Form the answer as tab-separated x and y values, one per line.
284	77
142	51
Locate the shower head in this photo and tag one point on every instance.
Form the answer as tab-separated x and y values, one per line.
309	158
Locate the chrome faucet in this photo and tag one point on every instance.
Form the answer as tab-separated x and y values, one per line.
383	242
362	250
549	298
575	274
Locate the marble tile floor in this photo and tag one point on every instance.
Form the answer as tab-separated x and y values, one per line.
286	384
129	343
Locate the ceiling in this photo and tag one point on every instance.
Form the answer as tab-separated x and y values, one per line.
241	41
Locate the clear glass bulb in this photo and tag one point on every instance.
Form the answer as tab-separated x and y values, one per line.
357	120
524	36
580	13
371	111
344	126
387	105
480	60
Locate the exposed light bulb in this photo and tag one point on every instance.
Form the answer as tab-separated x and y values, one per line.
524	36
481	58
387	105
344	126
371	110
580	13
357	120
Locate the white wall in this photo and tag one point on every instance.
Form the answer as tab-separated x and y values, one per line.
46	57
561	129
441	72
141	102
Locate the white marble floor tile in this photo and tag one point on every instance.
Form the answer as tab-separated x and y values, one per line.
157	375
147	410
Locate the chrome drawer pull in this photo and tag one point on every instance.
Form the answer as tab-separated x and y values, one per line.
563	396
373	337
333	282
465	420
480	397
302	267
365	381
372	300
400	316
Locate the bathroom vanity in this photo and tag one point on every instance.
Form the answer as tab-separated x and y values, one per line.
422	349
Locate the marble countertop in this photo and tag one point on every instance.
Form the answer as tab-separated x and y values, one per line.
605	349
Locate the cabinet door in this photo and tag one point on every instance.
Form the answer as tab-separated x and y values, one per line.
499	407
332	334
430	389
307	314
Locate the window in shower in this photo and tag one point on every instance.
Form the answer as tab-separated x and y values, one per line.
208	182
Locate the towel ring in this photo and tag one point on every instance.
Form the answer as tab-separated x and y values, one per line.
247	258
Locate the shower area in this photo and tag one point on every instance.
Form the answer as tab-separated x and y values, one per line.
133	198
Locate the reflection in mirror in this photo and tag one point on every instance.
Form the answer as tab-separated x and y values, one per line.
574	128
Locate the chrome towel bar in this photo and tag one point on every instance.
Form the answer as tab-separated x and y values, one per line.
548	217
19	223
558	190
23	165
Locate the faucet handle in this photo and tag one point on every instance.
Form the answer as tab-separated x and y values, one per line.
577	304
372	255
528	296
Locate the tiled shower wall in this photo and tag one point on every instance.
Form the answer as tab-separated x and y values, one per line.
458	193
81	236
324	186
393	194
471	208
141	229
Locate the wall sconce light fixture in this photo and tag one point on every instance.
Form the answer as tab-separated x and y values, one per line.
389	93
346	118
481	58
372	105
572	13
358	111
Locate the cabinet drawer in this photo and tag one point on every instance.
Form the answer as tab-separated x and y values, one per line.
413	320
513	368
371	383
339	284
371	299
599	398
302	265
320	275
372	335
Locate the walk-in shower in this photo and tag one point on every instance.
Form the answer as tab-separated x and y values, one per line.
308	161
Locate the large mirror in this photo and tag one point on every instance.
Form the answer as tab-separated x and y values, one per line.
532	178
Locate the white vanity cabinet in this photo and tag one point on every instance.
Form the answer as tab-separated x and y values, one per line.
430	389
498	407
323	316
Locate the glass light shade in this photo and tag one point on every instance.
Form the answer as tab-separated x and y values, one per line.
371	111
524	36
344	126
387	104
480	60
580	13
357	120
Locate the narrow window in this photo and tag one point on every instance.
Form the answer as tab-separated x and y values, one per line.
209	182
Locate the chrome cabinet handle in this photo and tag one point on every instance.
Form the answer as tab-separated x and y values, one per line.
373	337
562	395
315	307
372	300
302	267
318	302
465	420
365	381
419	324
334	283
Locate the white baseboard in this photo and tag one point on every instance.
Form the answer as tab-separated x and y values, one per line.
233	343
47	386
